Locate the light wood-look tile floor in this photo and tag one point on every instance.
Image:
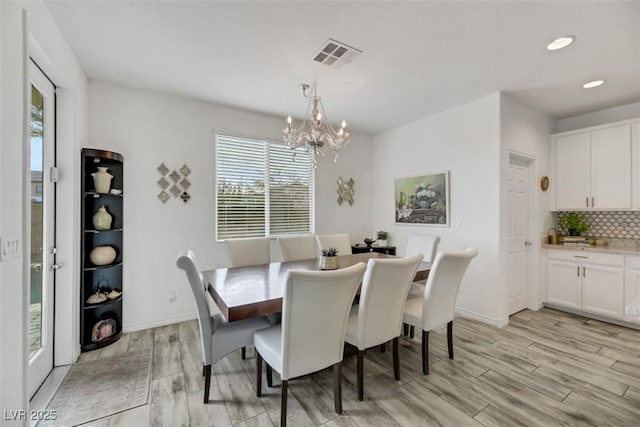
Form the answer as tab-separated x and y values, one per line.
546	368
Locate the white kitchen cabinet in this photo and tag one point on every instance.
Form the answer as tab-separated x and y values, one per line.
593	169
564	284
603	290
631	285
592	282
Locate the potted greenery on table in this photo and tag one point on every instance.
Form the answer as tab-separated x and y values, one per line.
329	259
382	237
573	223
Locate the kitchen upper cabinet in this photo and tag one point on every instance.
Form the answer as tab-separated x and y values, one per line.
611	168
572	171
593	169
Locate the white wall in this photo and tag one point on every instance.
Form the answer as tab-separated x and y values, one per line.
525	131
149	128
610	115
466	141
12	291
1	281
48	46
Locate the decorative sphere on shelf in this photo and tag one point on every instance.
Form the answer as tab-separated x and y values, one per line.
102	255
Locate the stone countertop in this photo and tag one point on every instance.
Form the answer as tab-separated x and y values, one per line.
625	248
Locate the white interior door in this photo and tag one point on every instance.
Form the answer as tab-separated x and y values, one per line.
41	217
518	234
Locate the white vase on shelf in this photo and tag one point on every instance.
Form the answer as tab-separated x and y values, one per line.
102	180
102	219
382	242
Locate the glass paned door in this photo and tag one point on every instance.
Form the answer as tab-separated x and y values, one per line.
40	211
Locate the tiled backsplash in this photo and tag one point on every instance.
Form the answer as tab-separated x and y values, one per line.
612	225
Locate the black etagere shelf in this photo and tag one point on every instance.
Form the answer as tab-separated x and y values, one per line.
101	322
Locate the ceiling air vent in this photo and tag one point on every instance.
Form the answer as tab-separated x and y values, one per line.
334	53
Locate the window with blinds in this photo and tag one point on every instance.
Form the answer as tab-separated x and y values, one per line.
262	189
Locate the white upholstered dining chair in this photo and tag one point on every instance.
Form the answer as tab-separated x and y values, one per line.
427	245
341	242
218	336
244	252
297	248
437	306
378	317
315	307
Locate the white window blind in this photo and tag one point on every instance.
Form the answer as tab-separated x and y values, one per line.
261	191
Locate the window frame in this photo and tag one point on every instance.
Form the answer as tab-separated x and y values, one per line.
267	198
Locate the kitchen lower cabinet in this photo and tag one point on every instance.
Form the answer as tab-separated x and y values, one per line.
603	290
588	281
564	285
631	285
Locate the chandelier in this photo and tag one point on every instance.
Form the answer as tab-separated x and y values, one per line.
315	132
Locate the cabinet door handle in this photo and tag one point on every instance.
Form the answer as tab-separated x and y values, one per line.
578	271
593	203
584	271
581	256
586	199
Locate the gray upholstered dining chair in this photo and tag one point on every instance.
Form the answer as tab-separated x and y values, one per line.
378	317
341	242
437	306
244	252
218	336
315	307
297	248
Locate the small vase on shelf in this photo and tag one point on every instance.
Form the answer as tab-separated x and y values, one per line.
382	242
102	219
102	180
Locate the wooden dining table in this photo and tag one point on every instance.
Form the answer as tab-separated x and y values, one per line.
253	291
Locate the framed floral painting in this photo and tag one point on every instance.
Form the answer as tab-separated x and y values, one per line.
423	199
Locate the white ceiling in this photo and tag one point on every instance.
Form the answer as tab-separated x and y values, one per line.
419	57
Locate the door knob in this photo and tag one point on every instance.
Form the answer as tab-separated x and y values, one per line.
528	243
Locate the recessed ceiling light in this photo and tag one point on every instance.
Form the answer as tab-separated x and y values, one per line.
593	83
561	42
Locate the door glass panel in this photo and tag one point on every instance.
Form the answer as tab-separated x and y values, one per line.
37	222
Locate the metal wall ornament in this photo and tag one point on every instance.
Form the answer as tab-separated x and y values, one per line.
345	190
173	183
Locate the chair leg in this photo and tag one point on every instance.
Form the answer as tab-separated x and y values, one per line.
203	369
450	338
360	375
405	329
243	352
396	360
207	382
425	352
283	404
258	374
337	387
383	347
269	376
412	331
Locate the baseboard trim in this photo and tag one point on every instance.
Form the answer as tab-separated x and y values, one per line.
593	316
159	322
498	323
